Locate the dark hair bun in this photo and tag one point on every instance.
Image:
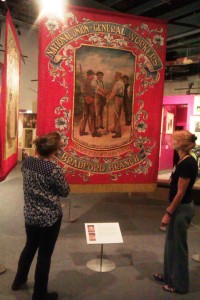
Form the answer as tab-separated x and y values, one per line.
48	144
194	138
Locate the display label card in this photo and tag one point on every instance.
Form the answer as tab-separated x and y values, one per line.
103	233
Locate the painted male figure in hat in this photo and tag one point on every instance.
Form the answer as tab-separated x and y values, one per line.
89	89
127	101
117	94
100	100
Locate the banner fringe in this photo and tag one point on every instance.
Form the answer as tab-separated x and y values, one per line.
115	188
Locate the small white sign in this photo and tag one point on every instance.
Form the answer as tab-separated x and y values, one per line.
103	233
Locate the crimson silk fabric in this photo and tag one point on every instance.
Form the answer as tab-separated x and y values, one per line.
93	40
9	101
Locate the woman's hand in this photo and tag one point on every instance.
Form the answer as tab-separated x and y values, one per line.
165	220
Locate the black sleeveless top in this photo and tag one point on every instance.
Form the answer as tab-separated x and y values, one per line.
187	168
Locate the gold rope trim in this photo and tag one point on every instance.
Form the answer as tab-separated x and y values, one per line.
118	188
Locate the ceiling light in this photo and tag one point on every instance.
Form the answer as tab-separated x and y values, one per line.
52	8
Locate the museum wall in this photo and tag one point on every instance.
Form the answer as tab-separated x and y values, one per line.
180	87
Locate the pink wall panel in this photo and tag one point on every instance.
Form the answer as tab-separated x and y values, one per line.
181	99
181	118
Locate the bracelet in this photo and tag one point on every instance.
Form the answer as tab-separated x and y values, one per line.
170	214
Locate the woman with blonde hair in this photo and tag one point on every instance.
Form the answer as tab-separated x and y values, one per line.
178	215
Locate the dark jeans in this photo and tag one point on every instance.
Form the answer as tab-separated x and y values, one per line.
42	239
176	269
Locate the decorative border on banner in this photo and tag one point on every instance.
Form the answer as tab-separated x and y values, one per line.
113	188
10	100
142	39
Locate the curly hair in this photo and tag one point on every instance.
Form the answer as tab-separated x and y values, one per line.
47	144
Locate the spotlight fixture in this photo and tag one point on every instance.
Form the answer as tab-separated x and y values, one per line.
52	8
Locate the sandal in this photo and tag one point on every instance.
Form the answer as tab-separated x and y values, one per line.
158	277
170	289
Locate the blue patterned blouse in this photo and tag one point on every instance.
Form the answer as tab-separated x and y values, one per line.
44	182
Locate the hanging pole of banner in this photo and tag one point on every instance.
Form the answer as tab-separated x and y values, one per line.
70	219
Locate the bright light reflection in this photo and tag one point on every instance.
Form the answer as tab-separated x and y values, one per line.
53	8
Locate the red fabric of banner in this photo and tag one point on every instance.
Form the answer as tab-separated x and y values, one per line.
9	101
101	79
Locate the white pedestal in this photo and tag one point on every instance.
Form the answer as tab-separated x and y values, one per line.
102	233
101	265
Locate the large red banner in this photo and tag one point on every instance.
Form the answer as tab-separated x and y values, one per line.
9	101
101	78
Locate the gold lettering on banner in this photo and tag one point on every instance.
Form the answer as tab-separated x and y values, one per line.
80	30
101	167
124	164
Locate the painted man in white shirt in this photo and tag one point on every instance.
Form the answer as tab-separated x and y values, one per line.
117	94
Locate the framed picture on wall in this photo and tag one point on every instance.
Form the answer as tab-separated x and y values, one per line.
28	138
196	108
30	120
195	127
169	123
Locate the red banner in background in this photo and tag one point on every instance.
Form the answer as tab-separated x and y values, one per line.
101	79
9	101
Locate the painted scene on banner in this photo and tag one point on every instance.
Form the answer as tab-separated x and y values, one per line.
94	116
12	96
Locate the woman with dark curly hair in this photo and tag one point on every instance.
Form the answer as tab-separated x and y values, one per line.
178	215
44	182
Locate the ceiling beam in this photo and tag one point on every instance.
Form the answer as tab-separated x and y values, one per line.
90	4
181	35
111	2
187	42
184	24
145	7
190	8
186	15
